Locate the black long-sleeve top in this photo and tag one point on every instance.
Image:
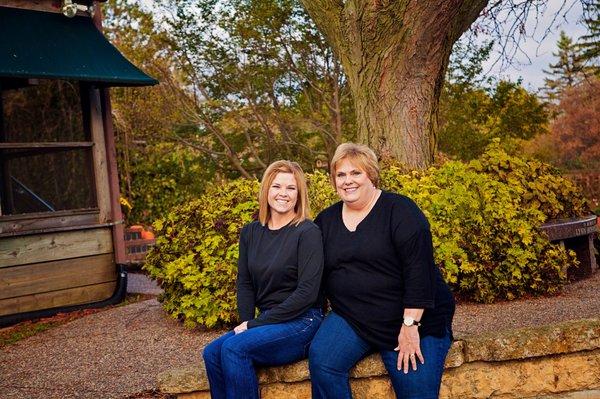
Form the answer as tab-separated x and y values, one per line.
372	274
279	272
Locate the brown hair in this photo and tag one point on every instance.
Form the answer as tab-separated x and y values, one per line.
360	155
301	208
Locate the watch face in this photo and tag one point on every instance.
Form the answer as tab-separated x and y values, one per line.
409	321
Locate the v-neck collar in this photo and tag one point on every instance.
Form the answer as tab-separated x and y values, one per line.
341	214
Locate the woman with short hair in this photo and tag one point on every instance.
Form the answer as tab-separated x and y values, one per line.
279	272
386	293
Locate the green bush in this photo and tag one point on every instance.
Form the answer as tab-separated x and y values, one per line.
539	184
484	218
195	257
320	192
486	242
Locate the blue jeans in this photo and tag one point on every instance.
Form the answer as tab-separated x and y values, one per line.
230	359
336	348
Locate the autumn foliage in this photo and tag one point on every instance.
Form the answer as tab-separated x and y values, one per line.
577	128
573	141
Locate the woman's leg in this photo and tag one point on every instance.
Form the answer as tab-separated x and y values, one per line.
214	370
333	351
424	383
272	345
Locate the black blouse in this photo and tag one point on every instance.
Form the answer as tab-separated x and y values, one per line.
279	272
372	274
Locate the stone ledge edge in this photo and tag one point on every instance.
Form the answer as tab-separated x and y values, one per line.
523	343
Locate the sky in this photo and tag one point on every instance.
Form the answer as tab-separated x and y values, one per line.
539	48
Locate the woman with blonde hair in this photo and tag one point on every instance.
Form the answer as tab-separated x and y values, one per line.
386	293
279	272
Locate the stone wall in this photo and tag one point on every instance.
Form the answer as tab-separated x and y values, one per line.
561	361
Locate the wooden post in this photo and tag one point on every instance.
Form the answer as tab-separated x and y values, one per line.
99	156
113	176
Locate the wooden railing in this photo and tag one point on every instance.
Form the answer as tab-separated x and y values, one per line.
137	243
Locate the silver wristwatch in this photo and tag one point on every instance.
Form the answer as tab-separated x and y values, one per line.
410	321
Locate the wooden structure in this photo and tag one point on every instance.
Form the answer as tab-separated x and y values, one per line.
576	234
61	232
137	244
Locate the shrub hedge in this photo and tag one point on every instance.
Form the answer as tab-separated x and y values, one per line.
484	218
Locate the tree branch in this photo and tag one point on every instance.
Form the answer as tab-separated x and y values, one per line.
196	146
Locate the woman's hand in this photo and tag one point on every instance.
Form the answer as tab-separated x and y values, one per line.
241	328
409	348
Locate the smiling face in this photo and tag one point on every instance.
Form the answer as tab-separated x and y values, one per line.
352	184
283	194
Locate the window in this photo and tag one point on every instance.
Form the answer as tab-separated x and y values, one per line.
45	147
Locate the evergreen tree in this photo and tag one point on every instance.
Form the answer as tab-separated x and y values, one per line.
568	69
590	42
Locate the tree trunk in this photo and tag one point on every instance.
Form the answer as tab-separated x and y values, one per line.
395	55
397	112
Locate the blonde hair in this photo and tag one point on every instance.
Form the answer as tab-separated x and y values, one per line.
301	208
361	156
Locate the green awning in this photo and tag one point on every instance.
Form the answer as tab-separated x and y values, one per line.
35	44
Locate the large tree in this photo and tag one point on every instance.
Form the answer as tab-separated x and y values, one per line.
395	54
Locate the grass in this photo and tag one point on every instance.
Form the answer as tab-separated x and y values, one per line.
29	328
21	332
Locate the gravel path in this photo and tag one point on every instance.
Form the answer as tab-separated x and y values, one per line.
119	352
111	354
139	283
580	300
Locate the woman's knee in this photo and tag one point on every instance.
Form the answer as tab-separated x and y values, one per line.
212	352
232	349
335	349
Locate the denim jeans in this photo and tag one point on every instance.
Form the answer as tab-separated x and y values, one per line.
336	348
231	358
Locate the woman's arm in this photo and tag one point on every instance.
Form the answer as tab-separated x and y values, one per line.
412	239
409	341
418	268
245	288
310	270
